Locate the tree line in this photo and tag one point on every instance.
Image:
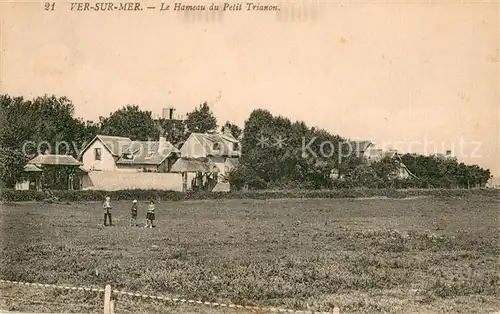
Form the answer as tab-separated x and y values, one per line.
267	163
273	154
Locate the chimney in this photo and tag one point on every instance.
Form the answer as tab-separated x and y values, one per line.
168	113
227	131
162	143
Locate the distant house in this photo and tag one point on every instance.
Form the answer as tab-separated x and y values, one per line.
220	148
361	149
493	182
113	153
368	151
447	155
402	172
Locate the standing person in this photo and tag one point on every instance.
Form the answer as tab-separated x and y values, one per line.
107	210
133	219
150	216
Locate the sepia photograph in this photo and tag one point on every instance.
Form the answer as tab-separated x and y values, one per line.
226	157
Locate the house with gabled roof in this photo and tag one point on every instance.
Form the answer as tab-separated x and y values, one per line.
114	153
220	148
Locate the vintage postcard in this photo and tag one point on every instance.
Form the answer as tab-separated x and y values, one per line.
310	156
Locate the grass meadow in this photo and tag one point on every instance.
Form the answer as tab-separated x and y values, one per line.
420	255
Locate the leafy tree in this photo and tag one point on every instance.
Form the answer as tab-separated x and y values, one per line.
86	132
387	168
273	153
12	164
175	130
131	122
201	120
31	127
236	131
441	172
43	123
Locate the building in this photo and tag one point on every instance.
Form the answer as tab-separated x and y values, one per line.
220	148
493	182
113	153
207	159
447	155
169	114
361	149
369	152
58	172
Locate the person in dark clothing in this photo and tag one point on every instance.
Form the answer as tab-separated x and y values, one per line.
150	216
133	219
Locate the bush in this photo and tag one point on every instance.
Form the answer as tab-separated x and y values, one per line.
95	195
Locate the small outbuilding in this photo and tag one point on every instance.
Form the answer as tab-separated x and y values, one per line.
55	172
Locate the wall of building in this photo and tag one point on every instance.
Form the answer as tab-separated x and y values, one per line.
107	162
165	166
120	180
192	148
136	168
25	185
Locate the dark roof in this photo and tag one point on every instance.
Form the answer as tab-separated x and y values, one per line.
194	165
146	153
357	147
380	154
65	160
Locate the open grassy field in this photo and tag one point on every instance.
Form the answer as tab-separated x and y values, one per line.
422	255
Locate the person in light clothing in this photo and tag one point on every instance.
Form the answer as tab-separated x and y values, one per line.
133	219
107	211
150	216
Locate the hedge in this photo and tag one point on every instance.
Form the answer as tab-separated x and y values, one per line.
95	195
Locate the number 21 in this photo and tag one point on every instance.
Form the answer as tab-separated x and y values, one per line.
50	6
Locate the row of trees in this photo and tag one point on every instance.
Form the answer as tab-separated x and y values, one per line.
48	124
276	153
131	121
435	171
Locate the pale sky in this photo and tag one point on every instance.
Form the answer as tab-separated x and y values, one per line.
392	72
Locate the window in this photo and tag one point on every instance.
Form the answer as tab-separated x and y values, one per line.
236	146
97	154
216	146
128	156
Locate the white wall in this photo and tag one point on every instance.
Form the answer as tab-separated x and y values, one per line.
25	185
192	148
107	162
120	180
135	168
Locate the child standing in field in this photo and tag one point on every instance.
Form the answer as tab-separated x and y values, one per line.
107	211
133	219
150	216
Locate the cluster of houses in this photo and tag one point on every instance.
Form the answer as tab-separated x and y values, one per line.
201	163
